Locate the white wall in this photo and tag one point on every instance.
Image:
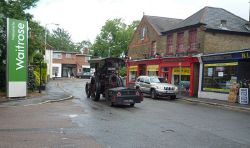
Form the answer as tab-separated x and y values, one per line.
59	74
48	60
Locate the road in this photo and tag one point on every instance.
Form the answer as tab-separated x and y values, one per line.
82	122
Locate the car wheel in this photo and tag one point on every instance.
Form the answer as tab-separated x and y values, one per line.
153	94
132	104
87	90
172	97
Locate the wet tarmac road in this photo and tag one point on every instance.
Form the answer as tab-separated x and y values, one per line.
160	123
82	122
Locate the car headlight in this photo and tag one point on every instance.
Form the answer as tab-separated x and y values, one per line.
176	88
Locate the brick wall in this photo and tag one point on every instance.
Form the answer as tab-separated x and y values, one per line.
221	42
140	48
200	38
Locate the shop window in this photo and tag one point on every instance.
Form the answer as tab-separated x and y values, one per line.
180	42
219	77
132	76
170	44
153	73
55	70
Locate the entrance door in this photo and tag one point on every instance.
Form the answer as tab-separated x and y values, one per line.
142	69
66	72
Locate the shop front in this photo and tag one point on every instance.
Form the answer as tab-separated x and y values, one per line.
182	72
219	72
69	70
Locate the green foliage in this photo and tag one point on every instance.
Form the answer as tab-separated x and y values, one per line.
38	57
16	9
114	38
123	71
82	45
60	39
43	71
37	78
36	39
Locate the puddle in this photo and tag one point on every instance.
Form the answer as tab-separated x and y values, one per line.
73	115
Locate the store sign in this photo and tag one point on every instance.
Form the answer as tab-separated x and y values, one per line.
133	68
184	71
221	64
243	96
152	67
17	49
244	54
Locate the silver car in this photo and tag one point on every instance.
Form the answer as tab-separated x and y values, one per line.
152	85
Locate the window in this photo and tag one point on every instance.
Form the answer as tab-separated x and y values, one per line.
219	77
180	42
55	70
143	33
193	39
57	55
68	55
170	43
86	59
153	48
146	80
79	70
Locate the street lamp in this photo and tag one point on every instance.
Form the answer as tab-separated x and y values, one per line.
45	47
40	62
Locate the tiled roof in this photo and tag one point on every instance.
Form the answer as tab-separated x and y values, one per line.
161	24
211	17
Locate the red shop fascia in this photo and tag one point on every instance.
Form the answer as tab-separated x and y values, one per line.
165	67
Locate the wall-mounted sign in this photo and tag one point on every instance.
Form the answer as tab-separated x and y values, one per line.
184	71
243	96
17	49
221	64
133	68
152	67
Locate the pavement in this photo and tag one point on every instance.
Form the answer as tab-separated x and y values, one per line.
54	92
219	103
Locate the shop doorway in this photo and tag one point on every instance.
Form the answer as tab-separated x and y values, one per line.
69	70
142	69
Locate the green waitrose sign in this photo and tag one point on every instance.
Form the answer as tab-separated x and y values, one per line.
17	49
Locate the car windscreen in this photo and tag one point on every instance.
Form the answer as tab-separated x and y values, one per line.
154	80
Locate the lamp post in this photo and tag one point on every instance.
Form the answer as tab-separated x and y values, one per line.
45	47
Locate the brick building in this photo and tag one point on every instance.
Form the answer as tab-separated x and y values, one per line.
174	47
65	63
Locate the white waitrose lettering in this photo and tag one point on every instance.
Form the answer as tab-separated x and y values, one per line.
20	47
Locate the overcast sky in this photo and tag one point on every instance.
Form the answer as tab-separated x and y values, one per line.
83	19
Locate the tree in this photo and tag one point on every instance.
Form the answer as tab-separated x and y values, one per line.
114	38
83	45
12	9
60	39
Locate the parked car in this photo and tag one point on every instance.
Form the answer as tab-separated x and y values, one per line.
85	75
152	85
